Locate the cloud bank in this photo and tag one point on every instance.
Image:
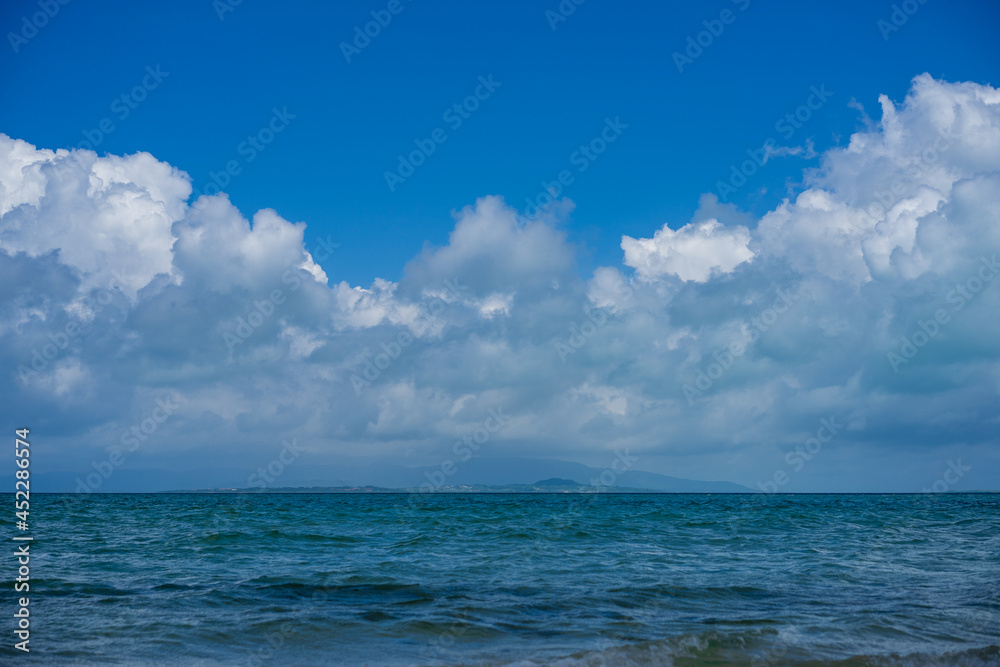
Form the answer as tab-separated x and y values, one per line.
713	351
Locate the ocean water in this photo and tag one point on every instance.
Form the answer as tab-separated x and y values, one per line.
597	579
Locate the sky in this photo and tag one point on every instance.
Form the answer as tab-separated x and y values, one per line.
712	234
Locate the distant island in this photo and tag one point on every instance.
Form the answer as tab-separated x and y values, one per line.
477	475
545	486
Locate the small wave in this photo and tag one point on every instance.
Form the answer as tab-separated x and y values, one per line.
749	651
216	539
270	588
988	656
310	537
61	587
172	587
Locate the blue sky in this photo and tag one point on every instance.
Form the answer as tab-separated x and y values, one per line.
840	292
353	119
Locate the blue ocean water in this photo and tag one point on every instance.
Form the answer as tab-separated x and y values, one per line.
596	579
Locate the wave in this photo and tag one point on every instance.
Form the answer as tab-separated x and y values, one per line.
748	651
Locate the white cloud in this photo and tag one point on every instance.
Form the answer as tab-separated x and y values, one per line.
103	215
880	237
694	252
609	289
869	205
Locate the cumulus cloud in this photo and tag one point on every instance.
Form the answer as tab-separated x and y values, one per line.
693	252
871	204
101	214
713	350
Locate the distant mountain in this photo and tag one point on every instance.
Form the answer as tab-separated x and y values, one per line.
481	471
464	488
556	481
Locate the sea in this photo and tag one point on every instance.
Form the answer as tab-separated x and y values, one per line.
508	579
